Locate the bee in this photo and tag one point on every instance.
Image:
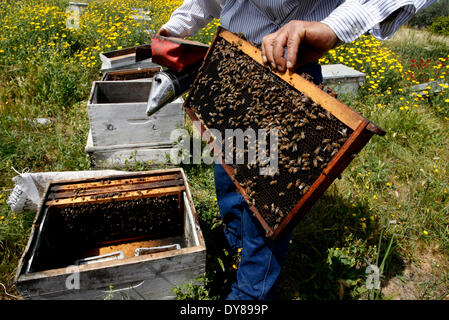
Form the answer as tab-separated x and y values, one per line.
319	159
295	147
281	194
289	186
335	145
344	132
303	135
317	150
315	163
273	182
322	116
319	128
326	141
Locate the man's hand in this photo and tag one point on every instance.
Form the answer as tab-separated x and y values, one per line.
305	41
163	32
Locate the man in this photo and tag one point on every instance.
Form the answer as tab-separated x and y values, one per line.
293	35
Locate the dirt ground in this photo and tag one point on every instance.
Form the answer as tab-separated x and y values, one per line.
421	279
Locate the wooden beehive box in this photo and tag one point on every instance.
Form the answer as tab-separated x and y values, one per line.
127	58
86	233
342	79
318	135
130	74
120	128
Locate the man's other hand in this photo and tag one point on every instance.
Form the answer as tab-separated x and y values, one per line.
305	41
163	32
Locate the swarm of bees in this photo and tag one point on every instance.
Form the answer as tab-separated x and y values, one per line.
233	91
92	223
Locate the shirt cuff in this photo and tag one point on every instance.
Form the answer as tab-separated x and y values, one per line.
176	29
350	20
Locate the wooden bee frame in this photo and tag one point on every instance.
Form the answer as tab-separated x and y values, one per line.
175	256
361	131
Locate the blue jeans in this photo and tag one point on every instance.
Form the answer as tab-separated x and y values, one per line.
261	258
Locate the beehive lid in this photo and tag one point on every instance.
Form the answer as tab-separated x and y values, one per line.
340	71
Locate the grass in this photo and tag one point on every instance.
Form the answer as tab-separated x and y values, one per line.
396	192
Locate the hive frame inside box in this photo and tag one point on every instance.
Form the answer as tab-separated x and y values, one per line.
362	128
121	130
150	276
130	74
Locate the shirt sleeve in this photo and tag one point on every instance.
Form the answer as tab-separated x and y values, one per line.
192	16
382	18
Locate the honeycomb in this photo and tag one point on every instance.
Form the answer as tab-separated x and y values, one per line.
118	219
232	91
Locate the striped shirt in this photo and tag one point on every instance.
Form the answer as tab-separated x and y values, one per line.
256	18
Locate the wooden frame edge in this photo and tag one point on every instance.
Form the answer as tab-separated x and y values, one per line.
342	159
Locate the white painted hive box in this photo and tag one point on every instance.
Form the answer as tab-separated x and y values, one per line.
342	79
120	128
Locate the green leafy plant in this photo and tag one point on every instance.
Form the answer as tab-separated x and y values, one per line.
193	290
440	26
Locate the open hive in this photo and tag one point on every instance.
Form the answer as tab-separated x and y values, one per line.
138	228
318	135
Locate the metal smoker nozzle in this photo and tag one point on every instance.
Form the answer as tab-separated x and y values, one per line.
169	85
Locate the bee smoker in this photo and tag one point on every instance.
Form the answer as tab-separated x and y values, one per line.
183	59
169	85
